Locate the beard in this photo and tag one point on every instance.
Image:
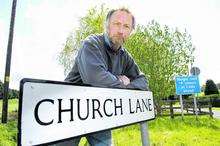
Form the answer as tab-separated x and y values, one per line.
117	41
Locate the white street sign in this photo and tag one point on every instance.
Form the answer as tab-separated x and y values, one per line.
52	111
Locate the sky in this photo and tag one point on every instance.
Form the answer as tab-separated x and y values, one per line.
42	26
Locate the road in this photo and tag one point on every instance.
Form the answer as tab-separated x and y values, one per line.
216	114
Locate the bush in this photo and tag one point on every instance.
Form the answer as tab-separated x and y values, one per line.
211	88
12	93
215	99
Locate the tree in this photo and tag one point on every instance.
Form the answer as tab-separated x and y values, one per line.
1	89
211	88
11	94
90	24
161	52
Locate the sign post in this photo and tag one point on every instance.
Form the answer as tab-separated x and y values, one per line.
195	106
8	65
181	105
144	134
195	71
56	111
187	85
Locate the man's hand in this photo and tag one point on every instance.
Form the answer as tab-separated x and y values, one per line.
124	79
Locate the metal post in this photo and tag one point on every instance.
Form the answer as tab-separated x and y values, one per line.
8	64
195	106
181	105
144	134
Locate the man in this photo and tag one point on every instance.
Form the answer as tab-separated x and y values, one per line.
102	61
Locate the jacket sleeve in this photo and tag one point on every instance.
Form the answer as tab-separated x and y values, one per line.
93	68
138	80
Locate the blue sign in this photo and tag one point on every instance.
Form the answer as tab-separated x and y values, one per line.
187	85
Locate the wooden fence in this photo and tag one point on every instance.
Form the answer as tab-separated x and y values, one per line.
172	108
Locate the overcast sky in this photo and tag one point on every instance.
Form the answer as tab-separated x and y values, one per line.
42	26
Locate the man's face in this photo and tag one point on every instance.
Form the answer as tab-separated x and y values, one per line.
119	27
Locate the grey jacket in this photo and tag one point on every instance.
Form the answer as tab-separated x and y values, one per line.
98	65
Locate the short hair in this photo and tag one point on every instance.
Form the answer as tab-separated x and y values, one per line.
111	12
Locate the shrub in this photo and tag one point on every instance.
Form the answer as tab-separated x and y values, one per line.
12	93
215	99
211	88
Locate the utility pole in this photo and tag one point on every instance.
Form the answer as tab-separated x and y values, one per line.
8	64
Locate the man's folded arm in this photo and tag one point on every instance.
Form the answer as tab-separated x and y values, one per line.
138	79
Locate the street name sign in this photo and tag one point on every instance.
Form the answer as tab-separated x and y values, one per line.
52	111
187	85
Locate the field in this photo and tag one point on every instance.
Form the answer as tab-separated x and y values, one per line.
163	131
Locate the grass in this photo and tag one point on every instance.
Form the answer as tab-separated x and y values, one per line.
163	131
216	108
176	132
205	131
12	105
8	132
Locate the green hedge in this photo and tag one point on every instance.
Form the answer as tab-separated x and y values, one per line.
215	99
212	96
